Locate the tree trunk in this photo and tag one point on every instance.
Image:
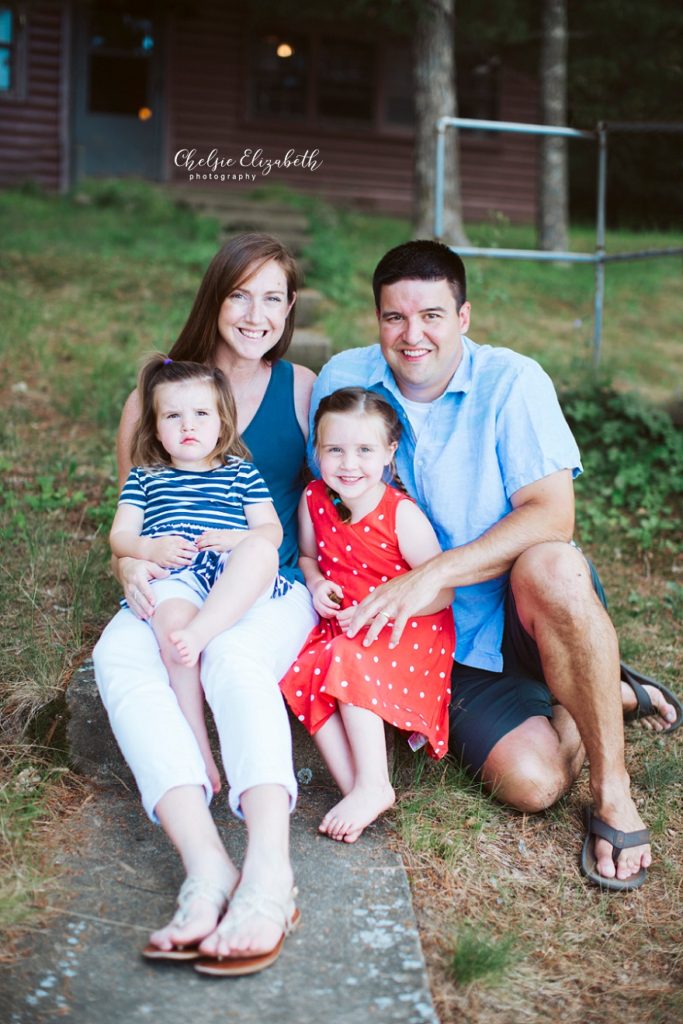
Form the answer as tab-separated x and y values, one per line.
435	96
553	197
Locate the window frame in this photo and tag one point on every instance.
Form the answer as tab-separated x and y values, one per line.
312	120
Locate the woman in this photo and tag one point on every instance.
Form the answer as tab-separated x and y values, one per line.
242	322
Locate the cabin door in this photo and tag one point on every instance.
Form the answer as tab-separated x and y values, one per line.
117	93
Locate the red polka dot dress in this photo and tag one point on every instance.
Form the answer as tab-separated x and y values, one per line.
409	686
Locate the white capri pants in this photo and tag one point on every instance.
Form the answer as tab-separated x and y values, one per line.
240	672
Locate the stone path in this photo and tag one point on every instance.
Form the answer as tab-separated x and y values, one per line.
355	958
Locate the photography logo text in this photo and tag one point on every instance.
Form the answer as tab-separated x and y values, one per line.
249	165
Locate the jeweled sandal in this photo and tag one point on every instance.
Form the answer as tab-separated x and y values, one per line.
250	900
193	888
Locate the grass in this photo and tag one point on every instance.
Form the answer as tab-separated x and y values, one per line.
477	957
510	930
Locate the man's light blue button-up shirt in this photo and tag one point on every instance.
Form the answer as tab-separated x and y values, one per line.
497	427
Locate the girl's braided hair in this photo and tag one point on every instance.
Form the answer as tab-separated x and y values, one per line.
361	402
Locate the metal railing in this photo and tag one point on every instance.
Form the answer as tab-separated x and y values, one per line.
600	257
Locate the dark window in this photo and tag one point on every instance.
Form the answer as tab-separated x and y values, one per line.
280	74
121	43
478	89
398	105
346	80
320	79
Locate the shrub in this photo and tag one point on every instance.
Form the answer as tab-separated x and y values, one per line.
633	465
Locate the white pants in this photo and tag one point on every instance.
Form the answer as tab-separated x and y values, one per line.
240	673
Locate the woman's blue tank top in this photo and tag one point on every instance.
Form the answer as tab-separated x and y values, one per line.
278	450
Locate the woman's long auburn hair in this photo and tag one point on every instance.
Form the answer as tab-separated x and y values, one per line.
235	263
146	448
360	402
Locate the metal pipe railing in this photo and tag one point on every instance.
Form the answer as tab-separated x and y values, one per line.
600	257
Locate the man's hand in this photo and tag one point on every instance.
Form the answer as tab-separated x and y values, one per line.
393	603
134	575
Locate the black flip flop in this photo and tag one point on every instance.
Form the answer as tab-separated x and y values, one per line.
644	706
620	841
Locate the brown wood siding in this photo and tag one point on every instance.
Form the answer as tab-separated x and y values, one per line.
499	172
206	108
30	127
207	103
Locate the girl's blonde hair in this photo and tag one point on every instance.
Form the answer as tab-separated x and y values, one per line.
360	402
146	448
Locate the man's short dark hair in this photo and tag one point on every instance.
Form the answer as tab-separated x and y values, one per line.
422	260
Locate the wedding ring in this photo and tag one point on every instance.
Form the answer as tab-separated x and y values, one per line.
385	615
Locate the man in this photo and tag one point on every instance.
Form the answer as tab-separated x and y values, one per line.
488	455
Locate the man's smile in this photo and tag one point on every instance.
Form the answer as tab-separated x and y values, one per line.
415	353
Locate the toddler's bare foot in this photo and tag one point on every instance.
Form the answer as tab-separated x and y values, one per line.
347	819
187	647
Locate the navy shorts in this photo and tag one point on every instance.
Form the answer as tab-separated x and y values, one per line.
485	706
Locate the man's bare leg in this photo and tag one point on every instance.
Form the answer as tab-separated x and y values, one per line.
579	652
535	764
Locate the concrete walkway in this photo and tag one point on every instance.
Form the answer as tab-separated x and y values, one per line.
355	958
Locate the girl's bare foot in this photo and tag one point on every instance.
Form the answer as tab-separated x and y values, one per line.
347	819
187	647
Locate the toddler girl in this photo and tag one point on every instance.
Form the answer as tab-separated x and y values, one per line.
355	532
195	506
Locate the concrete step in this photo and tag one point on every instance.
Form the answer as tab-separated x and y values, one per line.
310	305
356	956
237	211
228	206
226	198
310	347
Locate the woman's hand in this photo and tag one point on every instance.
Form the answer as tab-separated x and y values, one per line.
220	540
134	575
327	598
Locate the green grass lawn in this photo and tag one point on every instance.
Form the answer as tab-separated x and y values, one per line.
87	286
